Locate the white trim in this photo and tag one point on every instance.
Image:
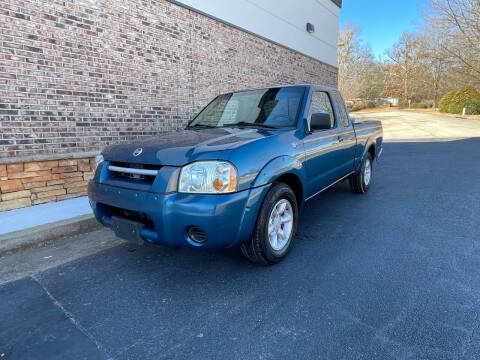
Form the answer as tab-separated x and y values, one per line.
334	45
280	22
326	8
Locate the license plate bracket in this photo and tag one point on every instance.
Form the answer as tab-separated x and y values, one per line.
128	229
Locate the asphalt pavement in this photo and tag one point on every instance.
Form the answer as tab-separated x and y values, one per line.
392	274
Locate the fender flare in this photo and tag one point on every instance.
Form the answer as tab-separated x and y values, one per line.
280	166
370	142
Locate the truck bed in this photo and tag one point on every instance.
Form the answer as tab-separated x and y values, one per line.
360	124
367	130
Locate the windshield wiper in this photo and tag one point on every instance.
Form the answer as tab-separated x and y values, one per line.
247	124
205	126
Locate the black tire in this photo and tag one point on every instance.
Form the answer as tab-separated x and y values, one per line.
258	248
357	181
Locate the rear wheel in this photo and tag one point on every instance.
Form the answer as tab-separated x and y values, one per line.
275	227
360	182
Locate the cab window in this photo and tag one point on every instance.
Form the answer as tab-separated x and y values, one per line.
321	104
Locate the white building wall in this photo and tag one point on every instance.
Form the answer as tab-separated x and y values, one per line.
282	21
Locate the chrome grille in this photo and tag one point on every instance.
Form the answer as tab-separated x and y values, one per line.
134	171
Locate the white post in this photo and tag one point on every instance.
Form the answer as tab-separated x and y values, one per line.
464	111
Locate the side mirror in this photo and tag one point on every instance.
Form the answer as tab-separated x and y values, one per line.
320	121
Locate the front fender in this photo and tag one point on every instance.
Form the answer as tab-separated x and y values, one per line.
278	167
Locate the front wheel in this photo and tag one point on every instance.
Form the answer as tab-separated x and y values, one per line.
275	228
360	182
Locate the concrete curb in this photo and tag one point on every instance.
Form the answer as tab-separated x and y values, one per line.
44	234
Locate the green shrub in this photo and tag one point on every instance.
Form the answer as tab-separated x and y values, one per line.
445	101
419	106
473	108
463	98
454	102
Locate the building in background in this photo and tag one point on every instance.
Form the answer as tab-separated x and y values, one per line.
77	75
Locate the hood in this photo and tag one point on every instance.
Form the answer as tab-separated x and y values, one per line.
184	146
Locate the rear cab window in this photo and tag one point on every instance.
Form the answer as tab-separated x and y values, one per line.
342	111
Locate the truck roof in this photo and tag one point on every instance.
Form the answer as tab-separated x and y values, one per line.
316	86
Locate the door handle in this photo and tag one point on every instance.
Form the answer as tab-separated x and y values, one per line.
340	138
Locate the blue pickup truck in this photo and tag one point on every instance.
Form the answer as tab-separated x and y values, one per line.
238	174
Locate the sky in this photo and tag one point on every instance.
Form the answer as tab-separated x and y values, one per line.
381	21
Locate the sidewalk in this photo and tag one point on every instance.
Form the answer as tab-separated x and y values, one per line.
40	224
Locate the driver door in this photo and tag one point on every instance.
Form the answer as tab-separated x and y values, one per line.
322	147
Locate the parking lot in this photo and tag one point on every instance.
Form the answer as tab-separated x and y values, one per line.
393	274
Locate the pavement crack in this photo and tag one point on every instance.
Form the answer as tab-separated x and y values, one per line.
72	319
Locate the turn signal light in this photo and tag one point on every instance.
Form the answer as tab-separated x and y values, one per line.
232	184
218	184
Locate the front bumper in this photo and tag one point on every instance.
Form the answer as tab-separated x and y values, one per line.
227	220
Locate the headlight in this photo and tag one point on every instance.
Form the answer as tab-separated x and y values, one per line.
98	160
208	177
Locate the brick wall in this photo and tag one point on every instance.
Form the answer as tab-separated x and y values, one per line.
31	183
77	75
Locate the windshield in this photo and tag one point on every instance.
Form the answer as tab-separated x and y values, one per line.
275	107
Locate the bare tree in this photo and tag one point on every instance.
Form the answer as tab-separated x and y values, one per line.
441	55
459	22
358	72
401	66
434	63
